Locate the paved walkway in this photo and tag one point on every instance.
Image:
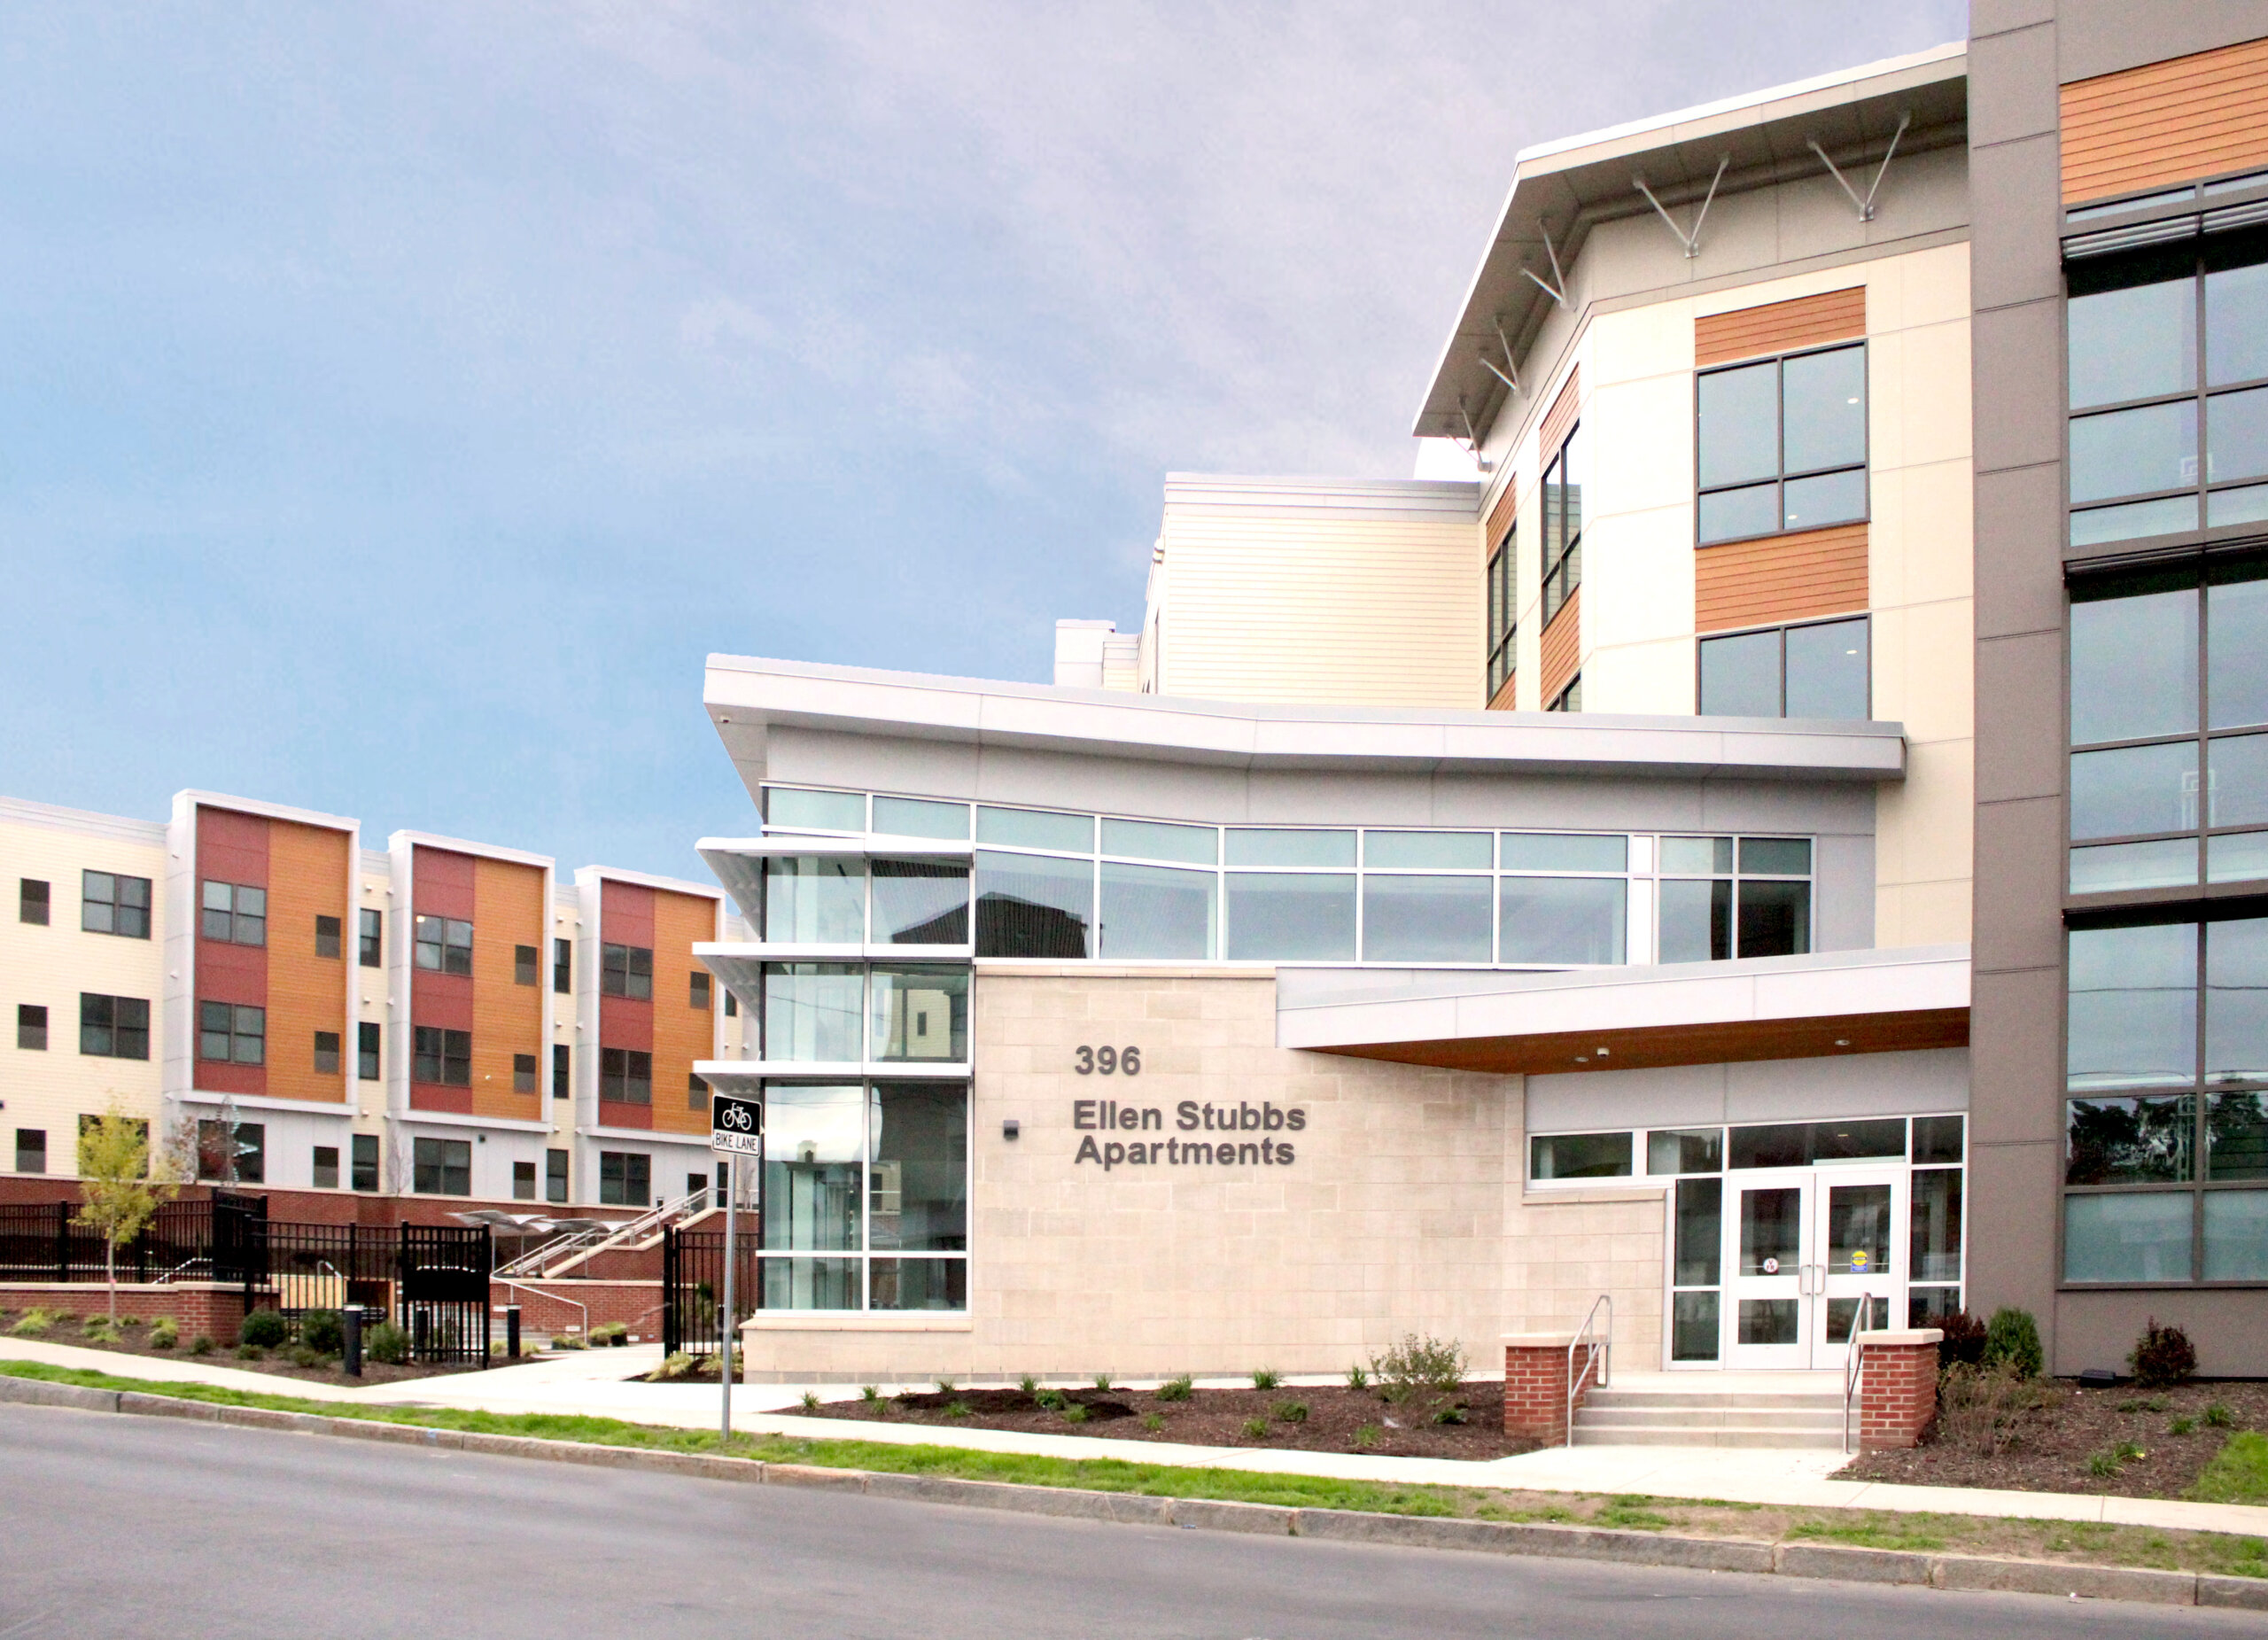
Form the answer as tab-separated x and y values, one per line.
599	1383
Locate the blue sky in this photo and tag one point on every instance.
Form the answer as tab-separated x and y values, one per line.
397	403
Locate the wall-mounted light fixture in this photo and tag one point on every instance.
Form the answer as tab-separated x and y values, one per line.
1010	1128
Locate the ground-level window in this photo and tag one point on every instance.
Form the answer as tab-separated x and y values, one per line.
231	1152
626	1179
555	1175
865	1196
524	1181
366	1162
441	1167
325	1170
31	1150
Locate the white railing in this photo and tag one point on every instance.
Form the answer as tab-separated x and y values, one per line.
586	1247
1600	1343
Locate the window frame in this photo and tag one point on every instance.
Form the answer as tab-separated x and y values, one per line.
1563	564
369	938
624	969
629	1069
36	909
363	1162
242	920
328	1046
119	907
31	1021
369	1050
450	1160
447	1052
562	967
453	955
241	1027
124	1031
1501	605
1779	482
1702	640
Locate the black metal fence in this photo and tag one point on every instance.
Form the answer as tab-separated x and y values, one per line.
43	1243
693	1287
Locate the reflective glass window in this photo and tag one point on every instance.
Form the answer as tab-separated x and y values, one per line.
1815	502
1440	851
2135	342
1426	919
2134	789
1036	828
814	900
1825	395
2237	671
1685	1150
2236	435
918	1199
790	808
1699	1257
1579	1155
919	1013
919	817
1193	845
1032	905
2236	1000
1563	919
2236	1136
1740	675
814	1139
921	902
2138	1140
1284	846
1828	668
2132	1236
2133	1006
1282	916
1545	850
2134	666
1153	912
813	1011
1933	1228
2129	452
1697	920
2236	316
2236	1235
1739	415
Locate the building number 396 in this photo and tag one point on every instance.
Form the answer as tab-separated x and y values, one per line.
1109	1060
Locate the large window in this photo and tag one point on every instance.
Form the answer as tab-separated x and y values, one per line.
2165	1159
114	1027
865	1196
110	904
440	1057
1818	670
363	1158
626	1076
369	938
627	971
367	1034
1780	444
441	1167
2169	391
231	1152
443	945
1734	896
841	1013
1504	611
2169	710
1563	523
626	1179
232	1034
235	914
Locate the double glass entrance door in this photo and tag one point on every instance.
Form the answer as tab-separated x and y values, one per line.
1809	1254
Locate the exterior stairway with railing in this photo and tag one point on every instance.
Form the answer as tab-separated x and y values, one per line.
1798	1409
576	1244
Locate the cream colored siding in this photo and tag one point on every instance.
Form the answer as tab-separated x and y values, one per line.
1326	592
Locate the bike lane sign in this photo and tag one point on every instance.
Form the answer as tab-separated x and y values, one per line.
736	1124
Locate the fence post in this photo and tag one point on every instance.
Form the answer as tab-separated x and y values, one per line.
62	1241
350	1341
487	1274
511	1332
672	1329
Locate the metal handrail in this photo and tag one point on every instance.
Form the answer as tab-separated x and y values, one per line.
166	1278
522	1286
1853	1369
1601	1343
542	1263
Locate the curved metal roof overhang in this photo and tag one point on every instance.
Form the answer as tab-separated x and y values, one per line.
1565	187
1828	1003
746	698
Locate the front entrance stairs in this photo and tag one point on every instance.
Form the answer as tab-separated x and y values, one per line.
1705	1409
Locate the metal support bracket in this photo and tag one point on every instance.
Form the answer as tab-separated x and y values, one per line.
1472	442
1866	204
1511	373
1557	289
1691	241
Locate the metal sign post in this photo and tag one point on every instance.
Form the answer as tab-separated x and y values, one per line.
736	1128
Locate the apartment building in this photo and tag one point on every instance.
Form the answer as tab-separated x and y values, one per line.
1586	885
440	1018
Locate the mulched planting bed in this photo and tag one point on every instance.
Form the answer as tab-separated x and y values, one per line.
271	1363
2054	1441
1308	1418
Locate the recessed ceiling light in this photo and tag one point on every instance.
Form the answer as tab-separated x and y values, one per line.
1582	1059
1841	1042
1603	1053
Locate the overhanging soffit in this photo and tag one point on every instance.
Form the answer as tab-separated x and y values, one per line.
1560	191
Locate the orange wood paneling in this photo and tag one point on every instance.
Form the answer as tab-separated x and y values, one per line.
1780	327
1499	518
306	878
1709	1043
682	1033
507	1017
2164	123
1503	699
1562	416
1562	647
1782	577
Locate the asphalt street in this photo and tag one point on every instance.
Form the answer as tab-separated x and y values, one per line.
130	1526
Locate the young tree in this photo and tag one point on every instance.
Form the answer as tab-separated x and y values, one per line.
121	1185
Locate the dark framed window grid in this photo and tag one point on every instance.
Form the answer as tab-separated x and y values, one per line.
1780	444
114	1027
31	1150
113	904
440	1057
443	945
324	1166
370	938
1563	523
1724	897
627	971
2169	728
230	1033
626	1076
31	1026
33	900
231	1152
555	1175
523	1073
2167	388
626	1179
1503	608
327	936
327	1053
1570	697
563	1079
364	1155
441	1167
367	1038
2165	1152
234	914
526	965
1810	669
524	1181
562	966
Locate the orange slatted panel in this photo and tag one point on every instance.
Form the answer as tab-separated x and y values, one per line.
1561	646
1780	327
2166	122
1783	577
1500	516
1502	701
682	1033
507	1017
306	878
1565	408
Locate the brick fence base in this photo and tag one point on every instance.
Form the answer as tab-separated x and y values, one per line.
571	1305
203	1308
1898	1387
1535	1384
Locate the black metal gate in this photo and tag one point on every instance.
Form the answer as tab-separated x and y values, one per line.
444	1274
693	1287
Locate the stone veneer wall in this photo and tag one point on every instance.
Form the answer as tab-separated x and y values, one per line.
1562	1250
1391	1219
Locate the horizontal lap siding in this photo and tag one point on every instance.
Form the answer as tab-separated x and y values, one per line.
2166	122
1504	698
1562	647
507	1017
1783	577
1780	327
1561	416
1500	516
683	1034
307	866
230	848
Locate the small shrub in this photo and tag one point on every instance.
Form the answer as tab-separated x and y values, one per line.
2181	1426
1266	1378
1074	1413
200	1345
960	1409
1984	1410
251	1352
2162	1357
944	1386
2218	1416
1051	1400
1963	1343
1450	1415
1256	1429
1419	1365
1366	1435
95	1327
321	1330
386	1344
1289	1412
1153	1421
1176	1388
2012	1337
810	1402
165	1333
265	1329
306	1355
1102	1382
613	1333
676	1364
870	1393
568	1340
33	1322
1027	1384
1358	1377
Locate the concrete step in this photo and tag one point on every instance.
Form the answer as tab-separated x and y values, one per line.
1690	1435
1709	1418
1709	1398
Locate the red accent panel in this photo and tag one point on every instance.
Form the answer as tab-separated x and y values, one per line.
215	1077
625	1022
443	999
626	913
613	1114
231	847
441	883
432	1096
226	973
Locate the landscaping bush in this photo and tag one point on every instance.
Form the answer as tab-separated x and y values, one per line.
386	1344
613	1333
165	1333
676	1364
1358	1377
201	1345
99	1330
1176	1388
321	1331
1289	1412
263	1329
1074	1413
811	1401
1266	1378
2162	1357
251	1352
1051	1400
1984	1410
306	1355
1417	1364
33	1322
1027	1383
1963	1343
2012	1340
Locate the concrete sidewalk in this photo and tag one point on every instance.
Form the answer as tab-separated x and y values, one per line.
599	1383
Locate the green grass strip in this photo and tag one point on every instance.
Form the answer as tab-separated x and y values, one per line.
2238	1472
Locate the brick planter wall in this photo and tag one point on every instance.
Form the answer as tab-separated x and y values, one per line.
216	1311
1897	1388
1535	1384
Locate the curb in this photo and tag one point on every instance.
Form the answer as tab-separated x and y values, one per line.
1839	1562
